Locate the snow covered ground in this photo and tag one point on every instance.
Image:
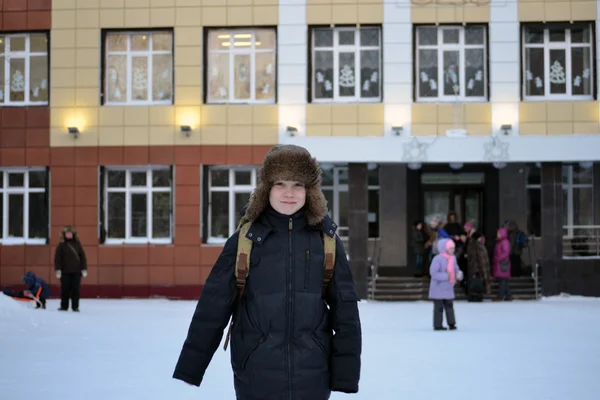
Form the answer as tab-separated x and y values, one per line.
126	349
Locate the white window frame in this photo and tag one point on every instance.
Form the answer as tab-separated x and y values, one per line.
26	55
232	189
566	46
232	51
337	188
460	47
150	53
148	190
569	186
5	191
336	49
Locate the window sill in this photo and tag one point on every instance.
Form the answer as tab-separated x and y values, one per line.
213	241
345	101
453	100
241	102
140	104
18	105
557	98
140	241
22	242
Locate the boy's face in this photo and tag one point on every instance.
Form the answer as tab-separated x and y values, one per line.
69	235
419	226
287	197
450	250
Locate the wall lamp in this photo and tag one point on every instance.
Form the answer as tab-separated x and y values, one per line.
397	130
186	129
506	129
291	130
73	131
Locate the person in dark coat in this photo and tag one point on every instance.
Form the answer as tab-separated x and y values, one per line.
37	290
420	244
287	340
70	264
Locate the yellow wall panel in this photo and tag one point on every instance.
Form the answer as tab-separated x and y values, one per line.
370	113
63	78
111	116
344	14
87	58
214	16
62	38
88	38
137	136
59	137
559	111
265	134
370	13
475	14
59	117
479	129
195	138
162	3
239	16
188	95
63	19
88	138
319	130
442	128
112	18
239	2
86	97
532	128
83	4
188	16
137	18
318	14
214	115
111	136
557	10
215	135
560	128
163	135
137	3
585	111
530	11
582	9
478	113
188	36
370	130
87	117
344	113
163	17
188	56
162	116
423	14
88	18
345	130
188	116
265	2
87	77
63	98
586	128
424	113
318	114
64	4
239	135
265	15
445	15
62	58
532	111
265	114
424	129
137	116
239	115
445	114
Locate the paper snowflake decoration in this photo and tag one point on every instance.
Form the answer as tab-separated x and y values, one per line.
496	150
415	151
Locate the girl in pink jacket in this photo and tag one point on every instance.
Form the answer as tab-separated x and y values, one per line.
501	266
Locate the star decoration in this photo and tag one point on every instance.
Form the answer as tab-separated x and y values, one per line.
415	151
496	150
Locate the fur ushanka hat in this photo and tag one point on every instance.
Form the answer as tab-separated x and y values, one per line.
288	163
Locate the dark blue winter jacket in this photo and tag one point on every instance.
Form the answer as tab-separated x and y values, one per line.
288	342
34	284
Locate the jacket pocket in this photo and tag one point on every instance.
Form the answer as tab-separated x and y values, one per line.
253	350
307	269
320	345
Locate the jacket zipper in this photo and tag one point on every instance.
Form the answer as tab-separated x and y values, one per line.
306	272
290	295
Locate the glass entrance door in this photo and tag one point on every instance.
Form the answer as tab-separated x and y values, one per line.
466	202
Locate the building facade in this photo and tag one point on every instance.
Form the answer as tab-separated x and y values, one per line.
142	122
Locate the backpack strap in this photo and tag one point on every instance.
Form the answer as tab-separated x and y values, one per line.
242	269
329	265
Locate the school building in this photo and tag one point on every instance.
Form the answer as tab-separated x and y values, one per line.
142	122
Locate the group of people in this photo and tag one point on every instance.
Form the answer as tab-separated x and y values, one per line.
70	265
453	249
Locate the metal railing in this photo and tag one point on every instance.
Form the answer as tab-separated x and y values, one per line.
581	241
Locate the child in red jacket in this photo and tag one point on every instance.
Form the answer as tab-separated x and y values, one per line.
501	266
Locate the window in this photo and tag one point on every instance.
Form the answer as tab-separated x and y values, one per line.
241	66
229	189
137	205
335	188
558	61
138	68
24	206
24	69
346	64
578	205
451	63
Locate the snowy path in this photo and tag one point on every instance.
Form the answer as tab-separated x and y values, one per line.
126	350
